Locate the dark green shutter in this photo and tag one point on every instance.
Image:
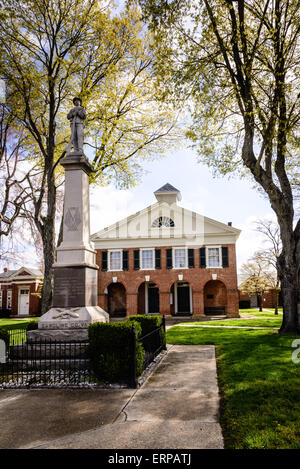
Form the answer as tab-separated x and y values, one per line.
191	258
136	259
104	260
169	258
157	258
202	258
225	262
125	260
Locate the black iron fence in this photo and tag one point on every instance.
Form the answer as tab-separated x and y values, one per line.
61	364
45	363
17	336
153	343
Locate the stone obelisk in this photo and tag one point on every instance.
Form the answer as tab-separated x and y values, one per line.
75	270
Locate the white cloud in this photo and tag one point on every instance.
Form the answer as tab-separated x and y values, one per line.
109	205
250	240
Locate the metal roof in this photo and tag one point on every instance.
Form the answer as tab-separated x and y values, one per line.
167	188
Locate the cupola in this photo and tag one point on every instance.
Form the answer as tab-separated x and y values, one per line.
168	193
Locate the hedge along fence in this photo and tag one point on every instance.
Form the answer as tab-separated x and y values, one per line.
112	350
150	323
32	325
5	313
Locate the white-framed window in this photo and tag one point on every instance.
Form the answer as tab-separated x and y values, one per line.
115	260
8	299
1	296
213	256
180	258
163	221
147	259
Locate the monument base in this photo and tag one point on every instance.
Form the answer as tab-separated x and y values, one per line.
72	318
59	335
67	324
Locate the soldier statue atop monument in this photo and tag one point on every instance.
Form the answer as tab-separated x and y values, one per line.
76	117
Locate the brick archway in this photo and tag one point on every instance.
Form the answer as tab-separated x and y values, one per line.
116	300
215	297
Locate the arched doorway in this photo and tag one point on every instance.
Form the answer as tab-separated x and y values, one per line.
215	297
148	298
181	298
116	300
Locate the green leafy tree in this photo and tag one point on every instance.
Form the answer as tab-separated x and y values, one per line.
53	50
237	64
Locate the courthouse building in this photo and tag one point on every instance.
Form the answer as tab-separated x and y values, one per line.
169	260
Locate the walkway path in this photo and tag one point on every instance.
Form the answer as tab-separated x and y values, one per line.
177	407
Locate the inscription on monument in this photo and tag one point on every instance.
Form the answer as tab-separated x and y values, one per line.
72	218
69	288
64	325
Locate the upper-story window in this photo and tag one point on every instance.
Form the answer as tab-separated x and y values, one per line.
179	258
114	260
147	259
214	257
163	221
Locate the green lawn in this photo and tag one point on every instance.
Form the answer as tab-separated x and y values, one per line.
259	385
264	319
262	315
255	312
17	326
243	323
8	323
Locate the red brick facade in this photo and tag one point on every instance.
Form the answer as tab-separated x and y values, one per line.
205	292
268	300
13	285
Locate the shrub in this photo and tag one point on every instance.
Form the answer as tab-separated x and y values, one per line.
149	323
110	350
5	313
4	335
32	325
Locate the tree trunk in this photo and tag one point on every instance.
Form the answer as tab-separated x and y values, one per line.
277	295
61	229
289	287
48	244
276	303
49	220
260	302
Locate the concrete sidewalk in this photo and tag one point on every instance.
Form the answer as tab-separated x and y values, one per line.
177	407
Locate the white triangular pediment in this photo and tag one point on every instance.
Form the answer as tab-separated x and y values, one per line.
143	225
25	272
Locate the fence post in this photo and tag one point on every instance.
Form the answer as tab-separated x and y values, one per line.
164	327
133	380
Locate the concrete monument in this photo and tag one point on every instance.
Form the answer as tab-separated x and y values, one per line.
75	270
